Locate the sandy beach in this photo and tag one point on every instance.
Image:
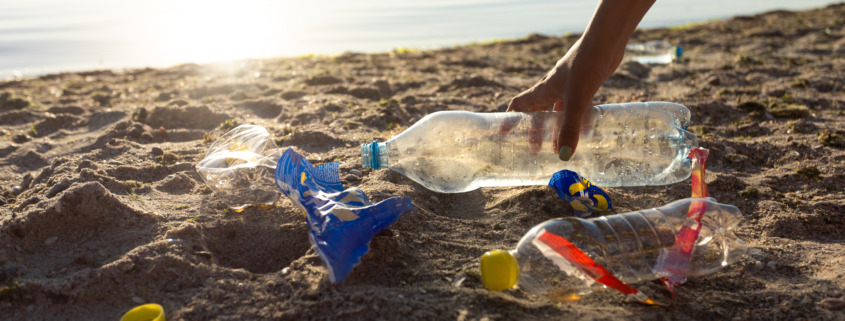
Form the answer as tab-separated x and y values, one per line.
102	210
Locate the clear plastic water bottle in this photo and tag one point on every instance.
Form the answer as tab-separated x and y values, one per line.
632	246
630	144
239	167
653	52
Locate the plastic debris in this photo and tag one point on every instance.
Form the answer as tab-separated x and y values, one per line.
341	222
244	167
568	257
146	312
630	144
580	193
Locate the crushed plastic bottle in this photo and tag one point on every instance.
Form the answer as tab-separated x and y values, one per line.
244	167
633	247
653	52
239	167
630	144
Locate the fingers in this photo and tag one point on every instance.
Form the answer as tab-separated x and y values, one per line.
525	101
535	133
507	124
536	98
570	130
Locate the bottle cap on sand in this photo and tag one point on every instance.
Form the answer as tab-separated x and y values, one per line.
146	312
499	270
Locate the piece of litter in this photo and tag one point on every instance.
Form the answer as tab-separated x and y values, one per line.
580	193
146	312
341	221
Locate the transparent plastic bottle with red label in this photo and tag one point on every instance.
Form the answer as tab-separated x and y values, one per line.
634	247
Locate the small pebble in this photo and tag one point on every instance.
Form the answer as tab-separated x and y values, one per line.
137	300
206	255
459	280
157	151
355	172
51	240
832	304
713	80
758	265
16	190
434	198
772	265
240	273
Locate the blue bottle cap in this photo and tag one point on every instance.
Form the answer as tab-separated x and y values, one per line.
679	51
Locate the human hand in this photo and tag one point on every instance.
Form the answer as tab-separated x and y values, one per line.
569	87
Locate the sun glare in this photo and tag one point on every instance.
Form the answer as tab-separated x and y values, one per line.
209	31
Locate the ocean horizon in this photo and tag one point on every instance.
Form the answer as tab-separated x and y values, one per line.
39	37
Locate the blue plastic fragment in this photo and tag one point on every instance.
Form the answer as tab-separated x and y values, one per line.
580	193
341	222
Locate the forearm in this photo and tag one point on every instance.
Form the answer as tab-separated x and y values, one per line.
611	26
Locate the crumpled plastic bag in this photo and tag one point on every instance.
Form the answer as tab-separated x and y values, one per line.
341	222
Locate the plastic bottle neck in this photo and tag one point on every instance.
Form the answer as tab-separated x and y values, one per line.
686	141
374	155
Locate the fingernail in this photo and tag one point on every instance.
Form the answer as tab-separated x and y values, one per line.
565	153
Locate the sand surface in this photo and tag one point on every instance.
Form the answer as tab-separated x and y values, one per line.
101	208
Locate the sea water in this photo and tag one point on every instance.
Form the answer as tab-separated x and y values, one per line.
48	36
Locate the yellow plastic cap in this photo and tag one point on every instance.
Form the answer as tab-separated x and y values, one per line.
146	312
499	270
